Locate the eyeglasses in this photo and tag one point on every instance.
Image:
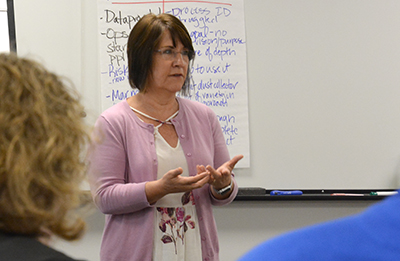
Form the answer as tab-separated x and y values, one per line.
170	55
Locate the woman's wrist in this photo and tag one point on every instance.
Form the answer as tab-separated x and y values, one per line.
223	190
154	191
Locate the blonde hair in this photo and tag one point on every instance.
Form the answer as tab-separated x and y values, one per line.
42	135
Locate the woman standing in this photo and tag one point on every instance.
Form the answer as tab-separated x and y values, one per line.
160	162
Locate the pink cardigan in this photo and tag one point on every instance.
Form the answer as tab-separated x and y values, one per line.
124	159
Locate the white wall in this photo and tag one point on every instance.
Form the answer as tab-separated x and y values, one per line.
241	225
4	37
62	35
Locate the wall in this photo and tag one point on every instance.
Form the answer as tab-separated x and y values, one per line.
62	35
241	225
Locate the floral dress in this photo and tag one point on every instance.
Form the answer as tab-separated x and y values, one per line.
176	232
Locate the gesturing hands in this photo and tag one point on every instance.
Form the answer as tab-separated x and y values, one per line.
173	182
221	177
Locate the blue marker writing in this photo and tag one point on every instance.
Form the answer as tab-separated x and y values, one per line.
283	193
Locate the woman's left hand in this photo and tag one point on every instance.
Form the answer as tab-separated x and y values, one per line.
221	177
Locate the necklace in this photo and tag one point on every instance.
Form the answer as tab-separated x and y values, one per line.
167	121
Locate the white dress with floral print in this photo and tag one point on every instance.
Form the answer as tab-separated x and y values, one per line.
176	232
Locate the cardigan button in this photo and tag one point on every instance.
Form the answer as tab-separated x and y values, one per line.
189	154
183	136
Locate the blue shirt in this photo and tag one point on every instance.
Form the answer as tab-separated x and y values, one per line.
371	235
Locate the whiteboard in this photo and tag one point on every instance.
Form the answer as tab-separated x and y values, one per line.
324	94
323	85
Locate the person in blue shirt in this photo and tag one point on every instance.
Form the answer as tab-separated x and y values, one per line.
374	234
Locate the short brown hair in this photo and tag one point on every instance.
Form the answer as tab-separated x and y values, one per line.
143	41
42	135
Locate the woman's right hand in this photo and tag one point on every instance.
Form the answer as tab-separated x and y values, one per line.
173	182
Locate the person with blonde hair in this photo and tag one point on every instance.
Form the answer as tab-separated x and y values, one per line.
42	135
